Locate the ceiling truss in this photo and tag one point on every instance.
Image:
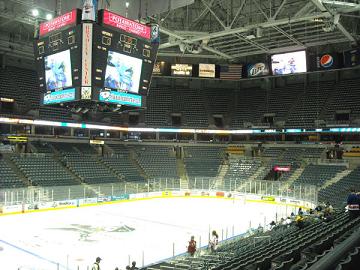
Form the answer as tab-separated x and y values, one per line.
229	29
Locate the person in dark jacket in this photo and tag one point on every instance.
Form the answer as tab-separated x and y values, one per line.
353	204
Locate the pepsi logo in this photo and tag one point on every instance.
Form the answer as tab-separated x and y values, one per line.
326	61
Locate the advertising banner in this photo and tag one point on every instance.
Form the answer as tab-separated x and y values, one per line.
104	199
352	58
120	197
327	61
258	69
181	70
268	198
120	98
86	76
126	25
282	168
166	194
158	68
69	18
220	194
207	70
59	96
12	208
288	63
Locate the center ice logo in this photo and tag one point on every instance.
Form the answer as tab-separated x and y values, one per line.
88	232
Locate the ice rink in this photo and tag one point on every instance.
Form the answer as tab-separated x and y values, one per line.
145	231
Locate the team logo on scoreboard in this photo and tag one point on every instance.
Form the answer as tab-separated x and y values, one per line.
85	92
326	61
105	95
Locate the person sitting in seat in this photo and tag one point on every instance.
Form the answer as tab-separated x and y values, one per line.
213	243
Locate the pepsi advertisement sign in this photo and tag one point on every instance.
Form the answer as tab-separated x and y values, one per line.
327	61
258	69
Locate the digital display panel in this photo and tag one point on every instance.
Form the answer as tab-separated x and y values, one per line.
288	63
57	23
58	70
124	54
130	26
282	168
161	68
181	70
207	70
60	96
257	69
121	98
58	63
123	72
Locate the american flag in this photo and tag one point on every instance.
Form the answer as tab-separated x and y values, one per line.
230	72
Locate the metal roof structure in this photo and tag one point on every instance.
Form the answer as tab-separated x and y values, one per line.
219	30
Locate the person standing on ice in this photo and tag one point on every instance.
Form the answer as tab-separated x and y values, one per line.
96	265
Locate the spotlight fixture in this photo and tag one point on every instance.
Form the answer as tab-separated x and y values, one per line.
35	12
49	16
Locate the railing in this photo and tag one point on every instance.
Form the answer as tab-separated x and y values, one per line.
58	193
37	195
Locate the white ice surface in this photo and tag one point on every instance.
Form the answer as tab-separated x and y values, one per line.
155	229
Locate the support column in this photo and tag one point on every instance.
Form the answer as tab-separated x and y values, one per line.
195	137
157	136
32	130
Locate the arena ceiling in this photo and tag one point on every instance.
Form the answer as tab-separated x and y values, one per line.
223	30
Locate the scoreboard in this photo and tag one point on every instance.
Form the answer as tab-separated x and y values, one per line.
109	62
58	58
125	53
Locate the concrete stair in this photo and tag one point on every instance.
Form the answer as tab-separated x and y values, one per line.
134	161
181	170
219	184
335	179
260	171
63	164
294	176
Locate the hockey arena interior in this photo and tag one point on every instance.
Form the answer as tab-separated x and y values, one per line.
179	134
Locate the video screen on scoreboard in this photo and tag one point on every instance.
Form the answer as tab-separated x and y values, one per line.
58	70
288	63
122	72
